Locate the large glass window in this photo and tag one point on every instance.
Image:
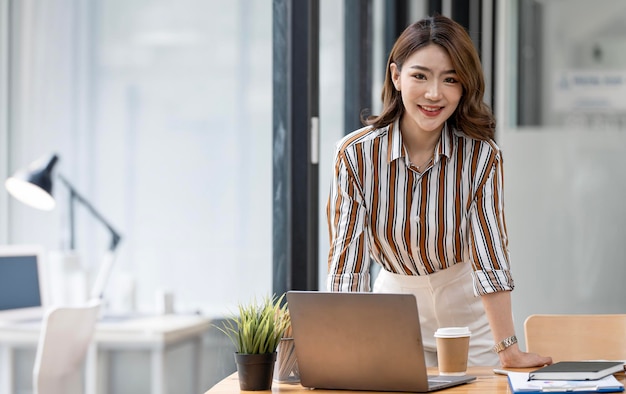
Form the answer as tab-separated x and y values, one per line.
161	114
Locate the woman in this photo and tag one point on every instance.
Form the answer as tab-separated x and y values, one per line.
419	191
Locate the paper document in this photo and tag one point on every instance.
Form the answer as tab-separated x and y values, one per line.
520	384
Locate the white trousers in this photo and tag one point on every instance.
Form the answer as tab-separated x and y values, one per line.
445	299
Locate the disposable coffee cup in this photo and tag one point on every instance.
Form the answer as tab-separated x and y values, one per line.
452	350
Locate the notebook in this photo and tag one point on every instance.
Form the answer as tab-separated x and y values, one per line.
577	370
361	341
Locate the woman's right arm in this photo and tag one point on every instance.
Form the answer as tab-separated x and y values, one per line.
348	260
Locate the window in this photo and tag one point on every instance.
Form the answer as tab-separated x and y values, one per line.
161	114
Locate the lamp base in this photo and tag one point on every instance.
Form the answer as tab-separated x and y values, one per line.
68	282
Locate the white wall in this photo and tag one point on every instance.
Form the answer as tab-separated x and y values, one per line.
565	185
565	193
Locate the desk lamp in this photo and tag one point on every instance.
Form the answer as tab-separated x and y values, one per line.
33	187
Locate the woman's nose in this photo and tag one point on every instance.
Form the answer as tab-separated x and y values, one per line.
433	92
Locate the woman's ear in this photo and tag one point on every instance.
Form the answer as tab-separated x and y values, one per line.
395	75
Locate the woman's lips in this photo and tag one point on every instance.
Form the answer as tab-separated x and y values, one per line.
430	110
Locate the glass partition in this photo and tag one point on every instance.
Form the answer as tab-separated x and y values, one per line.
572	64
561	119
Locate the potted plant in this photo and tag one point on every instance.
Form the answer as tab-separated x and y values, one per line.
256	332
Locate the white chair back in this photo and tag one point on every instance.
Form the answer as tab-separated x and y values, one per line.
65	338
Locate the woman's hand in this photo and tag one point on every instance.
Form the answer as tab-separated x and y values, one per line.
513	357
498	309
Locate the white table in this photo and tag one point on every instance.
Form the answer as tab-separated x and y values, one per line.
156	334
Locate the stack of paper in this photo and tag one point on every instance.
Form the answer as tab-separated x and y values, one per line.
521	384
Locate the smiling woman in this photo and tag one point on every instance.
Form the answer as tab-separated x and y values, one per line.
419	192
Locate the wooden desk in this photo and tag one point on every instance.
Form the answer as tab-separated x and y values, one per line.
155	334
486	382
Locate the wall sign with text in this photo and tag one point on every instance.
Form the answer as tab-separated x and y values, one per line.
589	90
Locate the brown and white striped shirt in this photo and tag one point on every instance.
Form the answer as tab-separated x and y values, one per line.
416	223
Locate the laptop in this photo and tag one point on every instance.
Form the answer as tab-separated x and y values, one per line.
23	295
361	341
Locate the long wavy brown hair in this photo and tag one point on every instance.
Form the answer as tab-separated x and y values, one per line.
473	116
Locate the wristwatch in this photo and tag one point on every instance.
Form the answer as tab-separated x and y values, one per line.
505	343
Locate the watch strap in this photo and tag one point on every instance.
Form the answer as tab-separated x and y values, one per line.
505	343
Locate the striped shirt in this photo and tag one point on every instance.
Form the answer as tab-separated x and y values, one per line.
381	208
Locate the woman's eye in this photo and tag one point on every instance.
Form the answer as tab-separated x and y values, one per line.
420	76
451	80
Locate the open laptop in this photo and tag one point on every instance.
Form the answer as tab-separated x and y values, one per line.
23	295
361	341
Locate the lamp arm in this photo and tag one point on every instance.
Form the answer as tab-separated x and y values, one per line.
75	196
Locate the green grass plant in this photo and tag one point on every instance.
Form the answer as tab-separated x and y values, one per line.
259	326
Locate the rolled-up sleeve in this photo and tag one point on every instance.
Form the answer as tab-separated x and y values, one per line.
348	260
488	237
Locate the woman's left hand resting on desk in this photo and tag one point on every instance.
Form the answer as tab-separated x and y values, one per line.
498	309
513	357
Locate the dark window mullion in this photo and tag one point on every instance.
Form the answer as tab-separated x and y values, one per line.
294	172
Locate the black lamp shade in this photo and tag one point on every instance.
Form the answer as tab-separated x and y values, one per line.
33	185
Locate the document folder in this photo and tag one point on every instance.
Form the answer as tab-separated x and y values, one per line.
520	383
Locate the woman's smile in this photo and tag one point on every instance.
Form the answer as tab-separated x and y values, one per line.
430	110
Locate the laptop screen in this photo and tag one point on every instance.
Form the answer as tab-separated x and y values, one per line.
19	282
20	278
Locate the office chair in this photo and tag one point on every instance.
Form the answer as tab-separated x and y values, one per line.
573	337
62	349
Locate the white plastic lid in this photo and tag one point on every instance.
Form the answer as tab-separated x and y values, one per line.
452	332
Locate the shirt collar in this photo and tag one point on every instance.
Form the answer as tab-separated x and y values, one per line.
395	149
445	144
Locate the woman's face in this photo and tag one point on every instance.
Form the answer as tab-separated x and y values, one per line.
429	87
